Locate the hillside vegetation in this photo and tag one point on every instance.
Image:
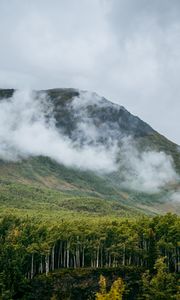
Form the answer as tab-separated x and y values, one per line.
64	259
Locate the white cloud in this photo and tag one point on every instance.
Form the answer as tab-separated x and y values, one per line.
26	131
175	197
147	171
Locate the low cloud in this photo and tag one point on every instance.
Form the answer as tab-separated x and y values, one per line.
147	171
25	131
28	128
175	197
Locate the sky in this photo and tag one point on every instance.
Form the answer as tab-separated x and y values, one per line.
125	50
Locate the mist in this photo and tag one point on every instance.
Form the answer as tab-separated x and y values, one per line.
28	128
175	196
147	171
25	131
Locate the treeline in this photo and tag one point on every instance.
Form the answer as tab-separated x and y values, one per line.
29	247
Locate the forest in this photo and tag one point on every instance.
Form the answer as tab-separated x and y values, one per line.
38	258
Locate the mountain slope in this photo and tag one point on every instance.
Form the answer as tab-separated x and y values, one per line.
117	118
39	182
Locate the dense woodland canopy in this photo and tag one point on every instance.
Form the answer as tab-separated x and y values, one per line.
32	250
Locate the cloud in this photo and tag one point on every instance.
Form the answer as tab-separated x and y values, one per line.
147	171
141	170
26	131
28	128
175	197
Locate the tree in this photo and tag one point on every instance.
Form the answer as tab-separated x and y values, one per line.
162	286
115	293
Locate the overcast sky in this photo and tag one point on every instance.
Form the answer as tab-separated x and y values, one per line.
125	50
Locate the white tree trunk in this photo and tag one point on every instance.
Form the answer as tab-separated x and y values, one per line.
47	264
67	254
32	265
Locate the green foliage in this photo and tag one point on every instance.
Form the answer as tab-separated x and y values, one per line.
32	247
161	286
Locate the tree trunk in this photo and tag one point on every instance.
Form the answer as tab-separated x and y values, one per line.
77	255
41	266
124	255
74	261
83	256
109	260
67	254
64	258
53	248
97	257
47	263
32	265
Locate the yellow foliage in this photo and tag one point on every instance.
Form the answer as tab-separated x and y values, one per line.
16	232
53	297
115	293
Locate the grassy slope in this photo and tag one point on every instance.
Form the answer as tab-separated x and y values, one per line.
39	186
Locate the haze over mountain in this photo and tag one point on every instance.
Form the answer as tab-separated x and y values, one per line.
89	145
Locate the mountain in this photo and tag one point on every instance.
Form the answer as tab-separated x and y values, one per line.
76	152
